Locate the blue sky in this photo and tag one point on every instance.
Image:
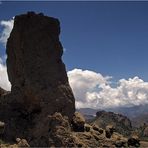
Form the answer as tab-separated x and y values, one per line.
101	39
106	37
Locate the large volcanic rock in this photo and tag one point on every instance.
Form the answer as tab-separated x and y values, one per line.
38	77
34	64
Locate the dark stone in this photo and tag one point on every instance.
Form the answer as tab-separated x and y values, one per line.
133	142
78	122
38	77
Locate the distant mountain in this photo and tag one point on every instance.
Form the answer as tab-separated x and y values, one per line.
140	120
88	111
131	112
137	114
121	123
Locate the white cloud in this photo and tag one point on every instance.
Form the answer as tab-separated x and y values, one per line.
4	82
64	49
91	89
7	27
95	91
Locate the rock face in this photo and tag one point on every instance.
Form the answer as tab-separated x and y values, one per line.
35	67
78	122
38	77
121	123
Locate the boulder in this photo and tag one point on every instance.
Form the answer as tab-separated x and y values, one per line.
134	141
78	122
22	142
96	128
109	130
59	132
87	127
121	143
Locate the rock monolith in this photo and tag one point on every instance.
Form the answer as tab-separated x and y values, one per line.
35	68
38	77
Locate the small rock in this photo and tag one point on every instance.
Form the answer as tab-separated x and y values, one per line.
18	140
23	143
134	141
96	128
78	122
121	143
109	131
87	127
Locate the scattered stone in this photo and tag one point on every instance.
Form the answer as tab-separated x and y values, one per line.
121	143
109	131
18	140
87	127
78	122
59	132
23	143
96	128
134	141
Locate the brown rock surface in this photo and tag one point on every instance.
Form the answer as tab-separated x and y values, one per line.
78	122
134	141
35	68
38	77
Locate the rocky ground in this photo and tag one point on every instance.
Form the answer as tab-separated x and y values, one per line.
79	134
144	144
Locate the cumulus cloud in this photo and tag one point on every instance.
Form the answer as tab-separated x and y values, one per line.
94	90
7	27
4	82
91	89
